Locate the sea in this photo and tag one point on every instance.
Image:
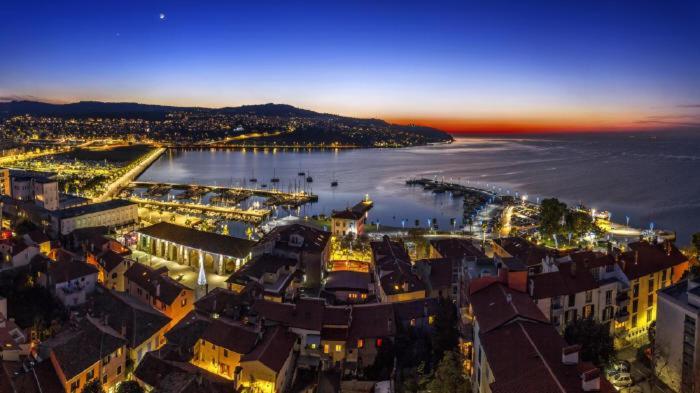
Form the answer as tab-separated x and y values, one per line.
650	178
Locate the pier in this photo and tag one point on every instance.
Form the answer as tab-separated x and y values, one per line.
276	197
116	186
233	213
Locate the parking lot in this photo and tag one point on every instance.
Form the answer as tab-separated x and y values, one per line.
640	375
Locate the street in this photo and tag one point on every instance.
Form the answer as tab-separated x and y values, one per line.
640	374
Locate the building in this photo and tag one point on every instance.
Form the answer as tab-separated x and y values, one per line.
39	239
269	367
70	281
220	254
111	259
677	338
515	348
13	340
83	352
278	276
352	220
394	277
454	248
222	344
647	268
17	252
529	254
308	245
155	373
348	287
141	326
41	188
116	214
155	288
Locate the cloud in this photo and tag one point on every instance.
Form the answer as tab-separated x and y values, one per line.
690	106
18	97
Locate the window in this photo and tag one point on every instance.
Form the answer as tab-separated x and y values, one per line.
635	290
379	342
588	311
650	300
431	319
90	375
105	360
104	379
225	353
649	315
413	322
589	296
326	348
634	320
360	343
663	275
572	300
75	385
608	297
635	305
338	347
651	284
183	302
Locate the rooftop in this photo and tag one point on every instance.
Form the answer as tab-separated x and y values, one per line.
206	241
92	208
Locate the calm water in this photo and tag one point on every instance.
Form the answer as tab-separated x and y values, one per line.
650	178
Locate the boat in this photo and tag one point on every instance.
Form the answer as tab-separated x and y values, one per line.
275	179
263	185
302	173
334	183
253	179
309	179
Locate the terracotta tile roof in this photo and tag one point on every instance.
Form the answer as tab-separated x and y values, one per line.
187	333
314	240
492	307
76	349
336	316
645	258
456	248
347	280
274	349
334	333
570	279
414	309
306	313
207	241
528	253
181	377
222	301
388	251
121	310
45	381
440	271
261	265
67	271
526	357
231	335
372	321
109	260
155	281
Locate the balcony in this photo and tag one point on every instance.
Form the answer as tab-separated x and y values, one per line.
622	299
622	316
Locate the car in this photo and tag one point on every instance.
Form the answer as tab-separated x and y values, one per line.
622	380
622	365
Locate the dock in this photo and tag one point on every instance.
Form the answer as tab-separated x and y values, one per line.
232	213
116	186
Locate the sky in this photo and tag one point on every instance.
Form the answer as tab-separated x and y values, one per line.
486	66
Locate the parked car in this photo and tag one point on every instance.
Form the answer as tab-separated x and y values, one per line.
621	380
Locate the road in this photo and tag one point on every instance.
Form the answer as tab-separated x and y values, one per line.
640	374
114	188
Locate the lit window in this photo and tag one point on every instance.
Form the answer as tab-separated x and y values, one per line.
431	319
326	348
360	343
413	322
338	347
379	342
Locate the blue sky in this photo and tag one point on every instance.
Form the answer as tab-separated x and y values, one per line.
556	64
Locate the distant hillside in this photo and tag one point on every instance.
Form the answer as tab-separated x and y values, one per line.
309	127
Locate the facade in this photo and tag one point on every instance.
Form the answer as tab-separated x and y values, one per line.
269	367
677	339
155	288
279	277
351	221
516	349
70	281
111	259
221	346
42	188
394	277
220	254
116	214
647	268
13	340
16	252
308	245
86	352
348	287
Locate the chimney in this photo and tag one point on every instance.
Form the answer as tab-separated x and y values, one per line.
590	380
636	257
158	290
569	354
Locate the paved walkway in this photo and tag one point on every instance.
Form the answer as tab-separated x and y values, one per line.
182	273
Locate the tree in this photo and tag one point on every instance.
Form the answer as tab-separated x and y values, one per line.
696	242
129	387
449	377
446	335
551	212
93	386
595	340
579	222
